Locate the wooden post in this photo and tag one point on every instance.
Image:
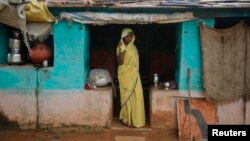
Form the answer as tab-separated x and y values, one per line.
189	102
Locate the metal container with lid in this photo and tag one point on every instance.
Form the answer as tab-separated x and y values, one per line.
15	43
45	63
15	56
156	79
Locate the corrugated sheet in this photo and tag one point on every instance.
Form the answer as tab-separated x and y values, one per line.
123	18
150	3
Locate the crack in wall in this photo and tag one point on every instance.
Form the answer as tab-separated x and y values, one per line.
37	101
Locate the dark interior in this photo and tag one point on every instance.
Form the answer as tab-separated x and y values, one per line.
223	23
156	47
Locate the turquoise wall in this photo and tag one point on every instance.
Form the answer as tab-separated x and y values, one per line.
178	52
189	54
71	57
3	43
18	77
14	77
71	47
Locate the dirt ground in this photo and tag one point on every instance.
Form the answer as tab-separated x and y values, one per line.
87	134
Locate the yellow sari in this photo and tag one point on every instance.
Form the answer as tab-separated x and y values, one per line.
132	101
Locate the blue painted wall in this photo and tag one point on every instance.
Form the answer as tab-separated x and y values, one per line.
71	57
71	49
189	54
18	77
3	43
178	52
14	77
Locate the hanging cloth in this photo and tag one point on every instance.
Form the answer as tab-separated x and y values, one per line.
224	62
36	11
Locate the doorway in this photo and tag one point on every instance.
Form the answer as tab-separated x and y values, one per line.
156	47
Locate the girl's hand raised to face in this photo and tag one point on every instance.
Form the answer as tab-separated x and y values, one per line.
120	44
122	48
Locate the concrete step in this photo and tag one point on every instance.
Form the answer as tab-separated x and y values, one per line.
129	138
117	125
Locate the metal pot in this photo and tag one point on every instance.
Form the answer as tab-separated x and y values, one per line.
15	56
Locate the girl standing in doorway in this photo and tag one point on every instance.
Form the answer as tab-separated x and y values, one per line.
132	111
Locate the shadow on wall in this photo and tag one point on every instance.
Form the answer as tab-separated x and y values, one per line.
5	123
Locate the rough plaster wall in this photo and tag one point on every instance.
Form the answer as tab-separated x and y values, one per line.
17	94
19	105
19	83
14	77
247	118
231	113
71	42
68	107
163	111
